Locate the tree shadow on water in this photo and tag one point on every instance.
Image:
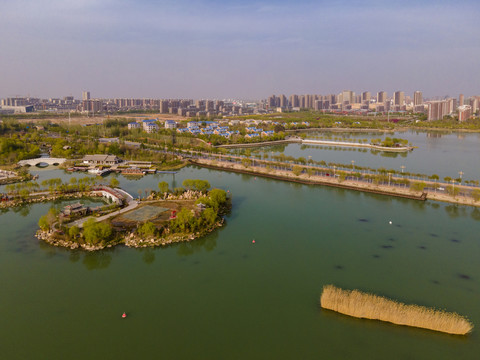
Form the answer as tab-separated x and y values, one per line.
207	243
96	260
148	255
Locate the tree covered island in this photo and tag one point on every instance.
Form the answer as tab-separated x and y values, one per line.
163	217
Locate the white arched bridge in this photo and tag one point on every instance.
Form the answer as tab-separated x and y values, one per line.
44	160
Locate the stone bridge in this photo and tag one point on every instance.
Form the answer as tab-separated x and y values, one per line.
49	161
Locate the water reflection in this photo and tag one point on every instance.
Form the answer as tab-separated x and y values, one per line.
475	214
74	256
96	260
148	255
207	243
393	155
453	211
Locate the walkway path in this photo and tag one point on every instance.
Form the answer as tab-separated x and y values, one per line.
131	205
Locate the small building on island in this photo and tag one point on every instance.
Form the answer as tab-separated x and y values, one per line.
75	210
101	159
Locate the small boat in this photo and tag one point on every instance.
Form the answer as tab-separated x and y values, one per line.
99	172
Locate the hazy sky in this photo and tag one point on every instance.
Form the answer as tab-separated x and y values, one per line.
237	49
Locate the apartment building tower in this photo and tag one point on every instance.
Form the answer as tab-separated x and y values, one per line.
417	98
381	97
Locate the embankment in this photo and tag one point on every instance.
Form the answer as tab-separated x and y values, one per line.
285	176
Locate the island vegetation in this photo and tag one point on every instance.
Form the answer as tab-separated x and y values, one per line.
180	214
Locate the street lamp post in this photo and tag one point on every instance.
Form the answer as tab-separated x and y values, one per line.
389	176
334	168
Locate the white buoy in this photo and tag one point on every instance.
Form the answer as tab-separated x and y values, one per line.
390	222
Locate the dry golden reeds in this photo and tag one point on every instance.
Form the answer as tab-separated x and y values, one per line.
367	306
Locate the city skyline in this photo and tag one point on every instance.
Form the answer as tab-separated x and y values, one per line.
216	50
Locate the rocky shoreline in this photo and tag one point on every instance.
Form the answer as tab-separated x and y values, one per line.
131	240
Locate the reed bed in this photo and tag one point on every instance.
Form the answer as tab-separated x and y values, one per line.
368	306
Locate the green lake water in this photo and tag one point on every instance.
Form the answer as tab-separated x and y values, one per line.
223	297
438	152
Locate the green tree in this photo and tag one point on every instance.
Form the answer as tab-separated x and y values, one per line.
163	187
209	215
95	232
246	162
74	231
184	220
188	184
201	185
43	223
476	194
342	175
278	128
114	182
218	199
147	229
297	170
417	186
452	190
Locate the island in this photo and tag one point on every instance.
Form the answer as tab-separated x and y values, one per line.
163	217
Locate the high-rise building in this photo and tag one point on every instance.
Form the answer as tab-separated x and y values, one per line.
473	102
464	112
163	106
294	101
417	98
398	98
200	104
438	109
346	97
366	97
461	100
85	95
283	101
382	97
209	105
272	102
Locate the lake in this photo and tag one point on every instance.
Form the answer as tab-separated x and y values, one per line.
438	152
223	297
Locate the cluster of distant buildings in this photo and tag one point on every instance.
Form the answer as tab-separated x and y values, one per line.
182	107
349	102
221	128
346	102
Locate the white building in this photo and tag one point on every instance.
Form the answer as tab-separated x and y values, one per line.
170	124
150	125
133	125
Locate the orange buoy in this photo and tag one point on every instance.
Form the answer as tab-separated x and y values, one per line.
124	315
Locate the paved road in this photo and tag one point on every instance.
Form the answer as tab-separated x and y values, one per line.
131	205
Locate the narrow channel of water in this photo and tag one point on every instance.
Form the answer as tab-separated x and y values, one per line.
438	152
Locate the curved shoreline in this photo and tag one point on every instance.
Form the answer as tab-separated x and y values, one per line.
317	142
131	239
